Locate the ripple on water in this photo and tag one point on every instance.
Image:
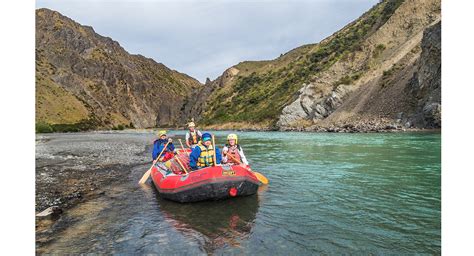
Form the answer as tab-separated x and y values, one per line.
328	194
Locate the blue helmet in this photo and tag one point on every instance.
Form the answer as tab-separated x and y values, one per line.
206	136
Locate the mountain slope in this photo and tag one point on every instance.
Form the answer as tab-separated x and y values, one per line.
381	97
307	87
89	81
382	71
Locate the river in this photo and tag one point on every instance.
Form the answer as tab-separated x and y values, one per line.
329	193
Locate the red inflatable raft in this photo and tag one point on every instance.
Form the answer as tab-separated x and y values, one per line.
211	183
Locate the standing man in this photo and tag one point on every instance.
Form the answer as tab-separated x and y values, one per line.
193	136
203	155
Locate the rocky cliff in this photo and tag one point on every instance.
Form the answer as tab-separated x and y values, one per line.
381	71
85	80
425	84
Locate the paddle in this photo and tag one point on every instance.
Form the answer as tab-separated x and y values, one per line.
259	176
181	164
147	173
183	146
214	147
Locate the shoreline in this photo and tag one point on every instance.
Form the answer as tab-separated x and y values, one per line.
334	129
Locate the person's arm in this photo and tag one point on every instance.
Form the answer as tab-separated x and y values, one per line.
187	139
155	151
224	157
171	147
193	158
218	156
242	156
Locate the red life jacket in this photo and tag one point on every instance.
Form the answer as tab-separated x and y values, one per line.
234	152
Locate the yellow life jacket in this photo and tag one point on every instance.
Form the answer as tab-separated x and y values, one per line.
207	156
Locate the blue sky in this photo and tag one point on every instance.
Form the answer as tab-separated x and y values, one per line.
203	38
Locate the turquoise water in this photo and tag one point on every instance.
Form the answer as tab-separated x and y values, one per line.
328	193
338	193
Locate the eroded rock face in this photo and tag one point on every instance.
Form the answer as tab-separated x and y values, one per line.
292	113
426	83
432	114
313	104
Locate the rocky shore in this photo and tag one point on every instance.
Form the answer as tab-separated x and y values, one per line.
74	168
361	126
366	126
358	129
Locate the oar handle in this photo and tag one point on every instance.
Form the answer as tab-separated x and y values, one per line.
215	152
234	158
166	145
238	161
181	164
147	173
183	146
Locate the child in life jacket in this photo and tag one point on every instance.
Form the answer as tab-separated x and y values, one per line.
232	153
158	146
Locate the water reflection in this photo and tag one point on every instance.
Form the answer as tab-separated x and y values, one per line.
213	224
330	194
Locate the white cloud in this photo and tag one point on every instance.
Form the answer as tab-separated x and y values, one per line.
203	38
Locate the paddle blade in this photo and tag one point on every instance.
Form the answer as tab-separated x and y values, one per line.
261	178
145	177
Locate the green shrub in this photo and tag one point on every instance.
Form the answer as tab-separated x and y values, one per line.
356	76
390	8
380	47
43	127
349	79
83	125
66	127
387	73
378	50
344	80
119	127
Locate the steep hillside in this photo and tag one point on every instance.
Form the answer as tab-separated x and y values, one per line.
381	97
406	94
382	71
360	74
85	80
